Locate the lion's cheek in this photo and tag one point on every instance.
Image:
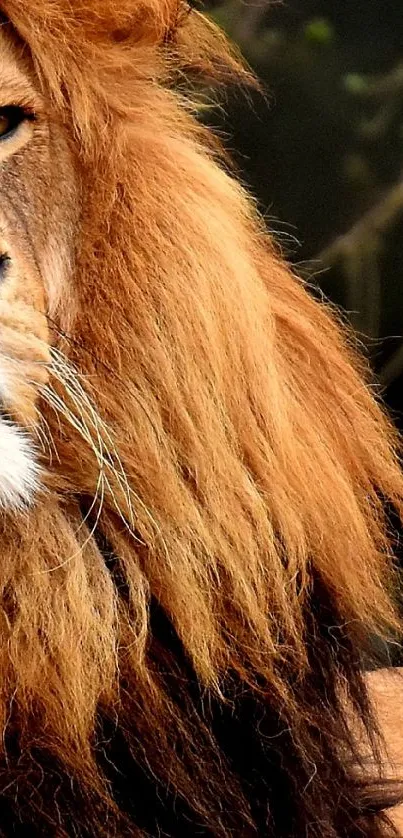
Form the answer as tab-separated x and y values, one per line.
24	361
24	367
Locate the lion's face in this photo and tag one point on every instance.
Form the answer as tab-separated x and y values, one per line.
36	233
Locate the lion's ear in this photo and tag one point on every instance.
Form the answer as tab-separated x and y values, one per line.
92	23
89	30
98	23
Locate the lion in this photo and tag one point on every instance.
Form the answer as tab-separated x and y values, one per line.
200	490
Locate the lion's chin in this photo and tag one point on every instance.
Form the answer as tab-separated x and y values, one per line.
18	468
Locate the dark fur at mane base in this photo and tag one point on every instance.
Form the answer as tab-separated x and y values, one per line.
259	781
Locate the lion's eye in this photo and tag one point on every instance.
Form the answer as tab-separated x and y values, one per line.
11	118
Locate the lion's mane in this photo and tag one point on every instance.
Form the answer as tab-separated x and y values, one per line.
186	608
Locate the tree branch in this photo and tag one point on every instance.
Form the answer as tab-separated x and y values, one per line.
359	250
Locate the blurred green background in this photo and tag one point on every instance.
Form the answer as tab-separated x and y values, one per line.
322	151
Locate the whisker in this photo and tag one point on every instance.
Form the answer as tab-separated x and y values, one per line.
88	422
119	473
90	535
101	477
74	342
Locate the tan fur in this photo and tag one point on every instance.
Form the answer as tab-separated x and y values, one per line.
386	690
214	415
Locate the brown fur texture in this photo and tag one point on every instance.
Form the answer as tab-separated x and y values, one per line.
186	606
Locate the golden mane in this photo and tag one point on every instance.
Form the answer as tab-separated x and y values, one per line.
213	542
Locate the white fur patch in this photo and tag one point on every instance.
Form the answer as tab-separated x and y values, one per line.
18	469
